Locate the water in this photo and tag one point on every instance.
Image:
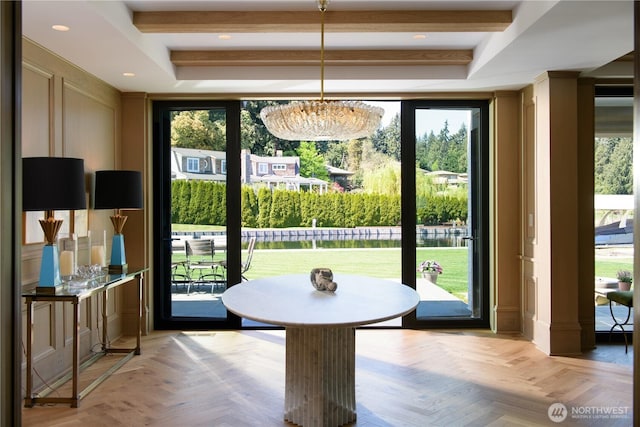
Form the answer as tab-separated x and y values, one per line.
430	242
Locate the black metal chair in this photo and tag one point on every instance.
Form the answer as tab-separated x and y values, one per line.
200	263
246	264
179	272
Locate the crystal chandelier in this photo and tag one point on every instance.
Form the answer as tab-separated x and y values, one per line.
321	120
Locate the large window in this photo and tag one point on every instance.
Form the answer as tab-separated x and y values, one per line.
370	213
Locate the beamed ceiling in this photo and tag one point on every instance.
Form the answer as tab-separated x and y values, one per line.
382	48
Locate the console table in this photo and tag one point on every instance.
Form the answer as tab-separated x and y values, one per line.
320	335
75	294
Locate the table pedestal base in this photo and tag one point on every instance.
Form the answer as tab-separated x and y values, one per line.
320	376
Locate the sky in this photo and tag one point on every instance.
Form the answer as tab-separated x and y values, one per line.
427	120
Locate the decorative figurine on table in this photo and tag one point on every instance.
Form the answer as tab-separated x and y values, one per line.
322	279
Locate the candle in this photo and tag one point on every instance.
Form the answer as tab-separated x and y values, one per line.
97	255
66	263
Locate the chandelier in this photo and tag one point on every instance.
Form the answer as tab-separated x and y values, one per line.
321	120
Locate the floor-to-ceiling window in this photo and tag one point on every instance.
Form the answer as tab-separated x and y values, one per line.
237	204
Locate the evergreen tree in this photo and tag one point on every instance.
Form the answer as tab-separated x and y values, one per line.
386	140
249	207
193	203
264	207
613	169
176	197
203	196
305	209
217	206
459	159
277	214
444	151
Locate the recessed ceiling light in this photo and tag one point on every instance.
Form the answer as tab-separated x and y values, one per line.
60	27
419	36
224	37
127	74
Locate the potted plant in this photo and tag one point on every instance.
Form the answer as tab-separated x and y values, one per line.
430	270
624	280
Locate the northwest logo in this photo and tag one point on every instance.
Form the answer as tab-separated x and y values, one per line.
557	412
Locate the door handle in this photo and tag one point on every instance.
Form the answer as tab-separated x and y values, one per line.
468	238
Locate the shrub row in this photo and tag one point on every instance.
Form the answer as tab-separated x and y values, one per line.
436	210
204	202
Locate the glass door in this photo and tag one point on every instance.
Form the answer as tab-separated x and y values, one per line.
445	208
613	205
196	158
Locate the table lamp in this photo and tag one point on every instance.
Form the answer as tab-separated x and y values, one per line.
118	189
50	184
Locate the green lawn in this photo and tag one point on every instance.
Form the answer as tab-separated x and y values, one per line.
385	263
608	267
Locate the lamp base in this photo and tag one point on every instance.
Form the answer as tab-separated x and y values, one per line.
118	264
49	268
118	269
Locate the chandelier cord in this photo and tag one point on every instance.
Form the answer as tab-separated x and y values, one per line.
322	5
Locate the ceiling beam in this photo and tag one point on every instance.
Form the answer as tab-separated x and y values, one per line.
253	58
374	21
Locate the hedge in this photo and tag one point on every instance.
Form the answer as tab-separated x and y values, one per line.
204	202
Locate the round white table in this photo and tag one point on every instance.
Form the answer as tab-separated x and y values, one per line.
320	335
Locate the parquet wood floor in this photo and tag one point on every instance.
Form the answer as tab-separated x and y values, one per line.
403	378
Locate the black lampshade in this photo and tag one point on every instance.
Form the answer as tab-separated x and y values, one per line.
53	183
118	190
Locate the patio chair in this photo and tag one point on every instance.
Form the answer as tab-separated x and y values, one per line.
201	266
246	264
179	272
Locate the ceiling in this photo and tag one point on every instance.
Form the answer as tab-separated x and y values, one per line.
370	46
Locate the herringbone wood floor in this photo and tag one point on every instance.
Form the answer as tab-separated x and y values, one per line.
403	378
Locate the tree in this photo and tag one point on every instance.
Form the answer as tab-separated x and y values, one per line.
178	201
459	158
258	138
249	132
195	129
443	151
217	204
202	196
613	169
336	154
264	207
311	163
249	207
382	179
387	139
